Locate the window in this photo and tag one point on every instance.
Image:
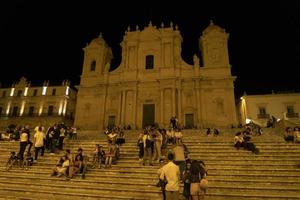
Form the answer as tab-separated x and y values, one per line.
149	62
93	65
290	109
262	111
31	111
19	93
0	111
50	110
35	92
53	92
3	93
15	111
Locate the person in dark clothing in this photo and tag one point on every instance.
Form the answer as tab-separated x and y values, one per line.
187	180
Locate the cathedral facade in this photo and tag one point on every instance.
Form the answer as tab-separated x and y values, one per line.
153	83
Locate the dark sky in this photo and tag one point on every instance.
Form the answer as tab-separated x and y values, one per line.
44	39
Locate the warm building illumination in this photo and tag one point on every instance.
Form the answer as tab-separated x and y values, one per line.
25	91
22	108
65	107
242	98
8	108
67	90
248	121
12	92
60	107
44	90
41	109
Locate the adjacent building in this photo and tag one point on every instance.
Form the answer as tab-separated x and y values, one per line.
261	108
153	83
23	104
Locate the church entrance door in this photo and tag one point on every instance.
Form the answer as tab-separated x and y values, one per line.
148	114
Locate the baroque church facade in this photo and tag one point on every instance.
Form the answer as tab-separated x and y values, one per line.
153	83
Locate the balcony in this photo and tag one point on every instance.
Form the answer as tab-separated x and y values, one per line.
292	115
263	116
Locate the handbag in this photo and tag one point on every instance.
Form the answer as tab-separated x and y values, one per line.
203	184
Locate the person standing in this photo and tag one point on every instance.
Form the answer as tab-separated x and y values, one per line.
171	173
38	142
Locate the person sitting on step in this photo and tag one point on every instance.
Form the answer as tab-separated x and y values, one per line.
61	167
296	134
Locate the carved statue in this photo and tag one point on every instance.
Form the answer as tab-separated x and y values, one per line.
107	67
196	60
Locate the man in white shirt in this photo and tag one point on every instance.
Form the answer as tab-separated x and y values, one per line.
38	142
172	174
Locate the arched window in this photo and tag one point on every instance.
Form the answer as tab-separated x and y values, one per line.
149	62
93	65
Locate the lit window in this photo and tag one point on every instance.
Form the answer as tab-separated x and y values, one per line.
12	92
44	90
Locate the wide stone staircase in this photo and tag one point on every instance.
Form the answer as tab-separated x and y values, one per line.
232	174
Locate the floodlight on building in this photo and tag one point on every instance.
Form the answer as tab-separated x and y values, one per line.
44	90
67	90
248	120
8	108
25	91
278	120
40	110
60	107
12	92
65	107
242	98
22	108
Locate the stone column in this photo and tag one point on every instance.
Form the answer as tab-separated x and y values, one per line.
104	107
203	110
134	109
162	107
173	102
179	106
198	108
123	107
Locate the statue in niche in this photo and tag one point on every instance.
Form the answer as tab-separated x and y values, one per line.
196	60
107	67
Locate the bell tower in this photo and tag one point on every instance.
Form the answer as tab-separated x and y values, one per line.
97	59
214	48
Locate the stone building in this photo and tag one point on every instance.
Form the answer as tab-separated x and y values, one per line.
153	83
47	104
261	108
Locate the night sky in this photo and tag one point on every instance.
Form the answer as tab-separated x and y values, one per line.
44	39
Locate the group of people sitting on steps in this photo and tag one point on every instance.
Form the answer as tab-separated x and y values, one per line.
292	135
242	139
69	165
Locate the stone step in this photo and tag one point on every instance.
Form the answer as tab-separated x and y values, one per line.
92	191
